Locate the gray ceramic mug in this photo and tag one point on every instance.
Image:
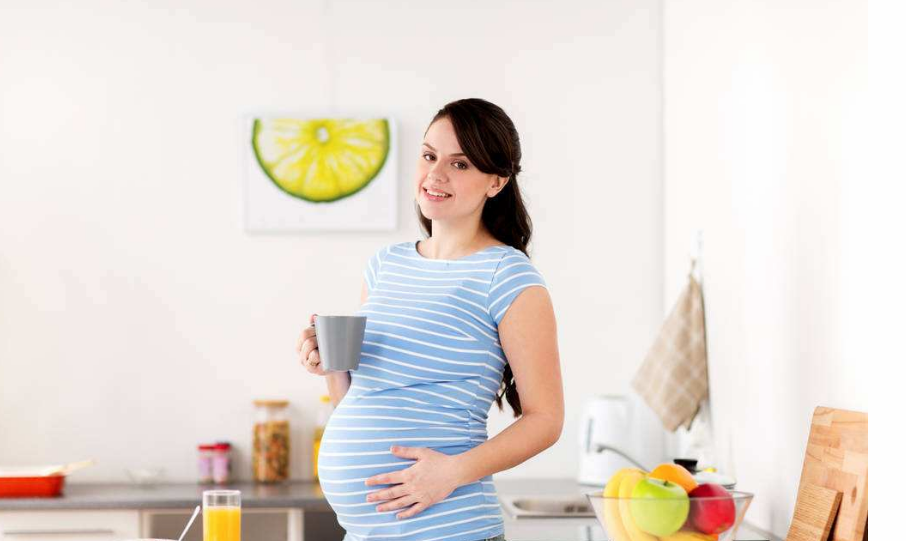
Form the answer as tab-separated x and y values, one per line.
340	341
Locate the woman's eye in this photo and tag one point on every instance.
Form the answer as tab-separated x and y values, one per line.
459	165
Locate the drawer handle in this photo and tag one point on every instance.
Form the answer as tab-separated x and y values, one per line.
59	532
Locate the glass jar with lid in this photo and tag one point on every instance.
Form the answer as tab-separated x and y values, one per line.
221	463
270	446
205	463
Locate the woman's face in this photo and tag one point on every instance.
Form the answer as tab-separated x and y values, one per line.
443	169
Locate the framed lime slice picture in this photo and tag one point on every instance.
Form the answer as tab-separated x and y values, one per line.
321	173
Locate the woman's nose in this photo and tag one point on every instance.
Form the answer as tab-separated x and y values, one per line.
436	172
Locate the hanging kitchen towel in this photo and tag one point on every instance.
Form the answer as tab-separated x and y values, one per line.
673	379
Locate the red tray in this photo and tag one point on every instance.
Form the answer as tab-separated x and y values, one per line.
46	486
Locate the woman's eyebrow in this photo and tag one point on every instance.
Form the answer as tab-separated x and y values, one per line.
435	150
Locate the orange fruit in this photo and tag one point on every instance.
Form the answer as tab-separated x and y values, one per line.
676	474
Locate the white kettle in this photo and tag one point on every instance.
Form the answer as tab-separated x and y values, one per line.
606	439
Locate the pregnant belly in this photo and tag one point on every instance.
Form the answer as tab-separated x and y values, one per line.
356	445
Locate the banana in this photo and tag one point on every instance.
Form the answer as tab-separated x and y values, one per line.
612	520
627	482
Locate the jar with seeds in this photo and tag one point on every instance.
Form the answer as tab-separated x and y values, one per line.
270	445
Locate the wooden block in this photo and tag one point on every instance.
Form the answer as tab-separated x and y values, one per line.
836	458
816	509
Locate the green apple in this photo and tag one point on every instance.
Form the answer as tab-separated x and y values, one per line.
659	507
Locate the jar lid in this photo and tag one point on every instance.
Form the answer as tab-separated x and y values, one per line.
205	447
272	403
221	446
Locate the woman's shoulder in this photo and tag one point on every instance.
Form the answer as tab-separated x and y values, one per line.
515	272
512	262
510	253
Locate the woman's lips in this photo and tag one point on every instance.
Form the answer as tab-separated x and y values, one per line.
435	198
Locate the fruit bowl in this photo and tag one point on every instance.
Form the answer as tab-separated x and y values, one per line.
664	518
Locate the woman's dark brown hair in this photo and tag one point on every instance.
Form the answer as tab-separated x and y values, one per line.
489	139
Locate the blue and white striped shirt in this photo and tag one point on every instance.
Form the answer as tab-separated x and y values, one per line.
431	366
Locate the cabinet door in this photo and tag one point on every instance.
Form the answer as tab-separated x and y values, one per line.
68	525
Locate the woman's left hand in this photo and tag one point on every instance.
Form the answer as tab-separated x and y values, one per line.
431	479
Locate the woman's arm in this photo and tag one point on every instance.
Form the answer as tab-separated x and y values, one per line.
528	334
338	382
337	385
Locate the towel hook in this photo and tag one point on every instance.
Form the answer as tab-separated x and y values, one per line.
695	256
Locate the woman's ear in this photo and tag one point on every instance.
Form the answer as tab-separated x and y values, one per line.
497	186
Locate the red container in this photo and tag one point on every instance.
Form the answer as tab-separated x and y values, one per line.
44	486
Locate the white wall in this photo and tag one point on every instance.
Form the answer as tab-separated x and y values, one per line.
769	151
138	319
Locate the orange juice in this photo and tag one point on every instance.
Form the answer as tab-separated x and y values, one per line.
222	523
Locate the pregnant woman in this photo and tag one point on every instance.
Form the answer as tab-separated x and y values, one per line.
455	322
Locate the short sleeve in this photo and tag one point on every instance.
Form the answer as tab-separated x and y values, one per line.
514	274
372	269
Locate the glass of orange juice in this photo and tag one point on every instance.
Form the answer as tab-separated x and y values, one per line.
222	515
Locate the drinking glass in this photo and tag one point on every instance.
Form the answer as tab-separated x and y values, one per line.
222	515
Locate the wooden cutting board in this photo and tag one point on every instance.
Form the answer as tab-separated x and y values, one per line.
836	458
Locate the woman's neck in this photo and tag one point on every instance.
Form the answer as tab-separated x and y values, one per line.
452	242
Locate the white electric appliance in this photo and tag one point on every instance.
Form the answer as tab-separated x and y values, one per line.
606	439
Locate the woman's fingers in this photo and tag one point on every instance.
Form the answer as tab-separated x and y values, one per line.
389	478
386	494
310	357
414	510
308	346
313	363
306	334
398	503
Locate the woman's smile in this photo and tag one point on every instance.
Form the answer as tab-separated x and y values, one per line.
436	196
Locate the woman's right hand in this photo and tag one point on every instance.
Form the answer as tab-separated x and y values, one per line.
307	348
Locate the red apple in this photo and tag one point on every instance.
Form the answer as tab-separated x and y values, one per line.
711	510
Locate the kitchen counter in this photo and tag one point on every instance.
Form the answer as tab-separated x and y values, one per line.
308	496
303	495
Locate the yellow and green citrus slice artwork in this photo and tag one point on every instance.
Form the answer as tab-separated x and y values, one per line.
321	160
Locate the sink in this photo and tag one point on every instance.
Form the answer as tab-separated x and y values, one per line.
547	507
